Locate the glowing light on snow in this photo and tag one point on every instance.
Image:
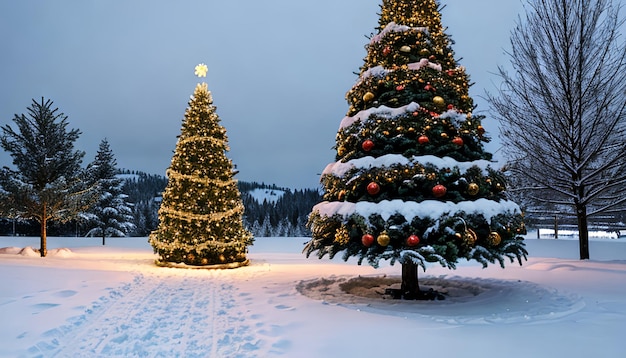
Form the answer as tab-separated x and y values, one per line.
201	70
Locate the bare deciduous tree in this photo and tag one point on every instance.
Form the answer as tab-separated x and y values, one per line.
562	106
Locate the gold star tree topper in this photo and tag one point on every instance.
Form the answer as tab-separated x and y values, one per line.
201	70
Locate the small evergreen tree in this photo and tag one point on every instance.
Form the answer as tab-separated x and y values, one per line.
200	218
412	182
47	183
111	216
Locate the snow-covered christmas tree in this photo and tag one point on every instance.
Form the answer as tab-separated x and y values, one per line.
412	182
200	218
111	216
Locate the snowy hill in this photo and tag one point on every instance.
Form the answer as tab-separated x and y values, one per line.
265	194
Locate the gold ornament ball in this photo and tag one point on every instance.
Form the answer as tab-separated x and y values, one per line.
367	97
472	189
439	101
494	238
424	52
405	48
470	237
204	261
383	239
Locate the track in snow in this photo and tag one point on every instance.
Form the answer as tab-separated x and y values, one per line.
171	313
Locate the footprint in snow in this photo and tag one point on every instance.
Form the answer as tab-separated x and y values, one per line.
40	307
284	308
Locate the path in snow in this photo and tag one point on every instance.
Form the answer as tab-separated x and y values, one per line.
165	313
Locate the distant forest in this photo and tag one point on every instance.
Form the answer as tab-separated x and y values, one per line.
285	216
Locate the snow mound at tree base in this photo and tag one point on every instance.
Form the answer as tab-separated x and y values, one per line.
229	265
467	300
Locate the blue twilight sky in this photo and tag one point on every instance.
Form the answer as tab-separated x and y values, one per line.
278	71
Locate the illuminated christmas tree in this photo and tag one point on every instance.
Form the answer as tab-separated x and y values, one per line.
412	182
200	218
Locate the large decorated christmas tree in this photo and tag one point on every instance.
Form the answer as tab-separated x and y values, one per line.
200	218
412	182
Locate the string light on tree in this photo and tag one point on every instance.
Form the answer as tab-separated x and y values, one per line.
200	218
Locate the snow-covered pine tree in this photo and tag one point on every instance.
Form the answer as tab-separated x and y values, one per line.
200	218
47	183
412	182
111	216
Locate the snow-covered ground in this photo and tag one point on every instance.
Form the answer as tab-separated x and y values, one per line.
86	300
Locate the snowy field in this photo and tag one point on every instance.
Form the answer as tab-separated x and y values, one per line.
86	300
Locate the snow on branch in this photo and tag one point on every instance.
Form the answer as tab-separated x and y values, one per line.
411	209
339	168
393	27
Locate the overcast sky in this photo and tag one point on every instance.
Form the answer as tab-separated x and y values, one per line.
278	71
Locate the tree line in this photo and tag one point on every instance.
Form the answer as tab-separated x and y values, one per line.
286	216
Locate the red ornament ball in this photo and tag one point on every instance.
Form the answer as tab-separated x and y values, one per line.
367	240
386	51
450	106
413	240
400	88
423	139
458	141
367	145
373	188
439	190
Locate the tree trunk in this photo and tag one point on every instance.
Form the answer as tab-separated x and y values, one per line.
410	286
583	231
103	240
556	227
43	249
